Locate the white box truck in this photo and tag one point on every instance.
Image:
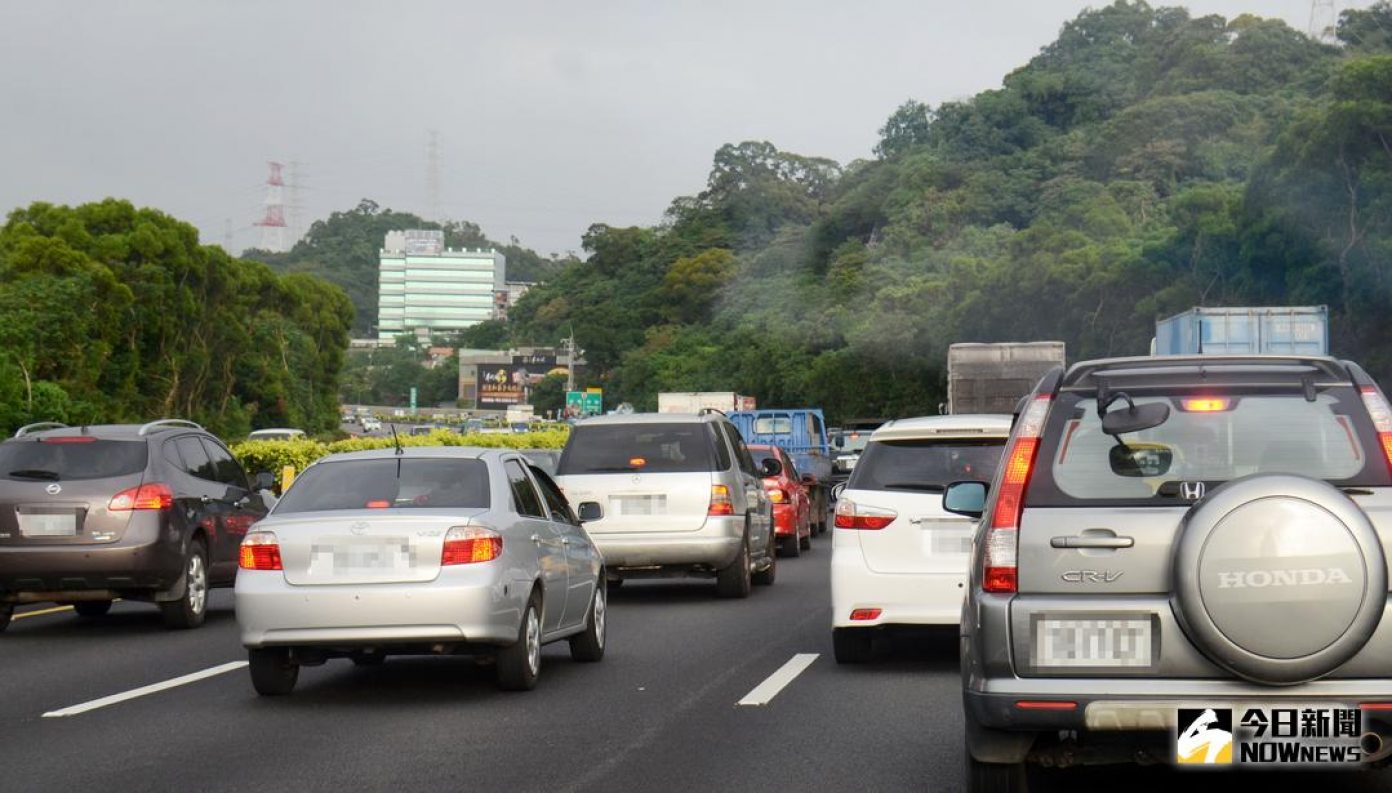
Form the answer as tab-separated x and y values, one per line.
696	401
991	378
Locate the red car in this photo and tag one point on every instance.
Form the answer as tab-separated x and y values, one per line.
792	506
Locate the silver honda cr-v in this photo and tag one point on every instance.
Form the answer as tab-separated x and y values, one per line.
680	495
1180	541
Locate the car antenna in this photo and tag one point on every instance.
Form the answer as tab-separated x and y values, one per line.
397	440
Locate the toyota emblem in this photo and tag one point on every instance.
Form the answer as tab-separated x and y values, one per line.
358	527
53	489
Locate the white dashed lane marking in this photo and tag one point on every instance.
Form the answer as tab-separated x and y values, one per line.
153	688
776	682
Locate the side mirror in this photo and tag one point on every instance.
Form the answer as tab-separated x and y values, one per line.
770	467
264	481
840	442
590	511
236	495
837	491
965	498
808	479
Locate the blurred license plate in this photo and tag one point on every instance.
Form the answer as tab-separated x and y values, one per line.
41	525
374	557
1092	642
642	505
957	541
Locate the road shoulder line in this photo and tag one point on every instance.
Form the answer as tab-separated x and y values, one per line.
776	682
144	690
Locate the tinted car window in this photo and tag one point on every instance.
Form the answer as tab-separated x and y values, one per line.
47	461
195	458
524	496
1212	439
925	465
225	469
388	484
649	448
560	508
746	463
723	461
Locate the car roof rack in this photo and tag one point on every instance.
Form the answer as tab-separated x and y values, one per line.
147	428
708	411
39	426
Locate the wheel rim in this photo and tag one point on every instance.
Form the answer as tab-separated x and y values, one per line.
197	584
598	615
533	641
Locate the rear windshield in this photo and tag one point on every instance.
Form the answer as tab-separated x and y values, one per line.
1209	439
46	461
389	484
647	448
925	465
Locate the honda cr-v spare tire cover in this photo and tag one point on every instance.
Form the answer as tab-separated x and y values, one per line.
1278	579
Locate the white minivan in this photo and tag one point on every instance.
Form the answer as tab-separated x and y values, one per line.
897	557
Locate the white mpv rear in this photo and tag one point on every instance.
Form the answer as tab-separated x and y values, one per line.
897	557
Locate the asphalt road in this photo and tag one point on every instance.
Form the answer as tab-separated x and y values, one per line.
659	713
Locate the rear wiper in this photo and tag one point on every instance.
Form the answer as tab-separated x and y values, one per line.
35	473
915	486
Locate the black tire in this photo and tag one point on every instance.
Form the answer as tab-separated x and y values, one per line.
369	659
519	663
995	777
191	608
806	542
735	580
273	672
851	645
790	547
768	575
588	647
92	608
6	614
614	583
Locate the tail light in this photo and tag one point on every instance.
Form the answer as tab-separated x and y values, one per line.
861	615
720	503
69	439
778	495
149	496
260	551
1000	571
850	515
469	544
1381	414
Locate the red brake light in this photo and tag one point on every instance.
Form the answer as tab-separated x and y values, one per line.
720	503
378	504
859	615
1045	704
1381	414
1000	571
69	439
850	515
1205	405
469	544
260	551
148	496
637	462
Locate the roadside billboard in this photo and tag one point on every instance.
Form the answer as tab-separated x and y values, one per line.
500	386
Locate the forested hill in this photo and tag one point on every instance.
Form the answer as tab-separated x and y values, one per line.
1145	162
343	250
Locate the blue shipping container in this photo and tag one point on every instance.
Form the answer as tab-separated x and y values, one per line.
1280	330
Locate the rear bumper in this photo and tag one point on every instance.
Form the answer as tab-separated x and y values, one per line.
903	598
715	545
140	560
459	606
784	519
1143	705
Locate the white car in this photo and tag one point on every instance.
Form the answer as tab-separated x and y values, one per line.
897	557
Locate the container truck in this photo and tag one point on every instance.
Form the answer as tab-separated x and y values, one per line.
992	378
802	433
696	401
1263	330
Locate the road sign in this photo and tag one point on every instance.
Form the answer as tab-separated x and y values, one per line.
413	399
592	403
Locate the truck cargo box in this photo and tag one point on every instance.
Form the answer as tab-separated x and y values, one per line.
991	378
1263	330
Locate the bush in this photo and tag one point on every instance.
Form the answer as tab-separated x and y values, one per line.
257	456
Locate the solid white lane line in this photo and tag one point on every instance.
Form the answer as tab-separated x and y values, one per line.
776	682
143	690
19	615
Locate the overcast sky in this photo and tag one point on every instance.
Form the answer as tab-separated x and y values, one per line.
550	116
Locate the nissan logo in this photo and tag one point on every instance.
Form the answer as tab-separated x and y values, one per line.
53	489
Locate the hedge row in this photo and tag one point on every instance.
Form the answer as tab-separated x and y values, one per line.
273	456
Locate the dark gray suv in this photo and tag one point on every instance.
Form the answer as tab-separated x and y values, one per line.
1171	535
152	512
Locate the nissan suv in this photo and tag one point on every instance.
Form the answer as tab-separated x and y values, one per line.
152	512
680	495
1170	541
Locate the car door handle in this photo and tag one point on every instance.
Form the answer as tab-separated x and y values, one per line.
1083	541
536	538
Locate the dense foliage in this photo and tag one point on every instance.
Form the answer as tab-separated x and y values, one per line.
1145	162
272	456
110	313
344	250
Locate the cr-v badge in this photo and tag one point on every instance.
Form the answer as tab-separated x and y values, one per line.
1090	576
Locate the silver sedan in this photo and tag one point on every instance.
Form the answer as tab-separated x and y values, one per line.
427	550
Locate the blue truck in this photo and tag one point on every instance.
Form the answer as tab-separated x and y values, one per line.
1265	330
802	433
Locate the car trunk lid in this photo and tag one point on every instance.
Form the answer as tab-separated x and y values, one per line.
363	546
